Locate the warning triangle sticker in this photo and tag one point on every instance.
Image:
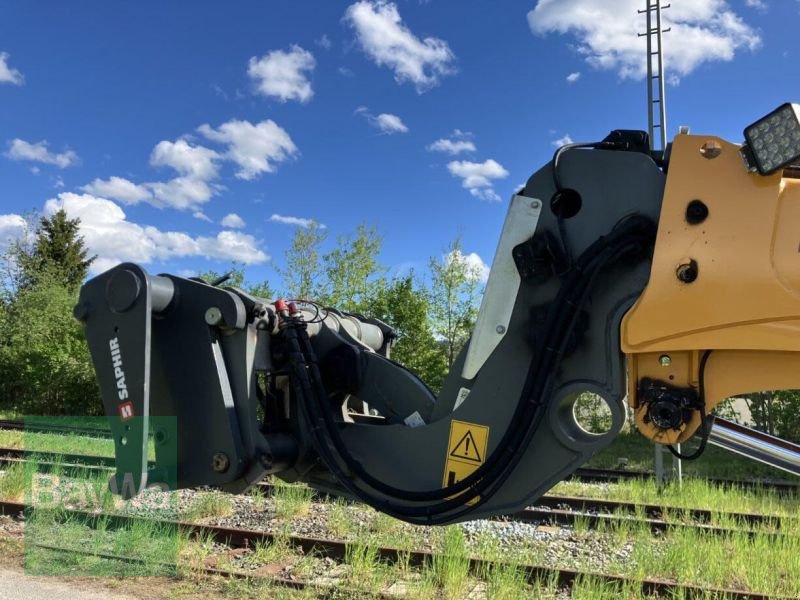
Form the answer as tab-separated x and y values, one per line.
467	449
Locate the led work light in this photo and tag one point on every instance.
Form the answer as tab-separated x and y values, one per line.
773	142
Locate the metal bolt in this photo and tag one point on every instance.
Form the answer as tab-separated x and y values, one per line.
535	204
687	272
220	462
213	316
500	329
711	149
665	360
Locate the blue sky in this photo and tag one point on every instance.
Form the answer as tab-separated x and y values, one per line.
189	134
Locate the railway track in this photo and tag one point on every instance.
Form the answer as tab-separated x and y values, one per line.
549	509
583	474
339	550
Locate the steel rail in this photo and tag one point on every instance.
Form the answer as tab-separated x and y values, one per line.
584	509
339	550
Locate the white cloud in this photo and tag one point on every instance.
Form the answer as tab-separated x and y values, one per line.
283	75
7	73
108	233
12	227
388	42
255	148
562	141
196	162
457	143
477	177
475	267
759	5
201	216
21	150
573	77
118	188
299	221
703	30
182	193
385	122
233	221
324	42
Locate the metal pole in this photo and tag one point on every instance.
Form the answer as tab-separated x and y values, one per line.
662	100
677	466
659	450
649	38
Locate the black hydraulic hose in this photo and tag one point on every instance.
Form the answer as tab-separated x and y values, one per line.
543	364
573	295
704	418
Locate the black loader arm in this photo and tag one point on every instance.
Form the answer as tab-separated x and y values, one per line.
252	386
231	388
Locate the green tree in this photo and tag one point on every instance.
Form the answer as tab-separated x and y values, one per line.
404	306
353	275
44	360
58	253
776	412
454	298
302	271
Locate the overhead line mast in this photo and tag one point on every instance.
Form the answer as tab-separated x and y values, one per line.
656	103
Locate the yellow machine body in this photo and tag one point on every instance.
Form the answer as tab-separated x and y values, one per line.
743	305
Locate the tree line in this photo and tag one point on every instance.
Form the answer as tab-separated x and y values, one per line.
45	366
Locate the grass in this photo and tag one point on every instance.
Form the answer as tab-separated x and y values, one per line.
13	483
208	505
450	566
59	545
291	499
762	563
693	493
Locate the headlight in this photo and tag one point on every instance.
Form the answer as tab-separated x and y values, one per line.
774	141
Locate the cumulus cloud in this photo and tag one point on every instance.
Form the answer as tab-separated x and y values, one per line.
385	122
298	221
457	143
573	77
201	216
477	177
233	221
12	227
562	141
109	234
255	148
705	30
284	75
475	267
7	73
182	193
196	162
389	42
38	152
118	188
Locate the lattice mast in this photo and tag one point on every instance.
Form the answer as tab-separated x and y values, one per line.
656	103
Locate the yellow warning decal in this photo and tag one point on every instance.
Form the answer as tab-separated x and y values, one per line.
466	451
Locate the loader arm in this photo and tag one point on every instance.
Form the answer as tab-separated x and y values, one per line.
672	280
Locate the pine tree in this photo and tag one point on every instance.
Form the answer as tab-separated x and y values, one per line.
58	254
